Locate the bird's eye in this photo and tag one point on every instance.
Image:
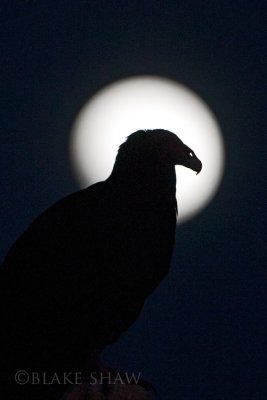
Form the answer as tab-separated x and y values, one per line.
191	154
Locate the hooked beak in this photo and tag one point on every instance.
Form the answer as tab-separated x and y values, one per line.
191	161
195	164
188	159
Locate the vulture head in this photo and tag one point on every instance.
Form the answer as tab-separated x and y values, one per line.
157	146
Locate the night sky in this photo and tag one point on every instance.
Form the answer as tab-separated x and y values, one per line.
202	334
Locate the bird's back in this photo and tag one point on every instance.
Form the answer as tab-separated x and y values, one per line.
81	273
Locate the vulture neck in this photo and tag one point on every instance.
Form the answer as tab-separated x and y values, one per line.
148	182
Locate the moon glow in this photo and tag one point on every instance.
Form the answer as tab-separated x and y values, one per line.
149	102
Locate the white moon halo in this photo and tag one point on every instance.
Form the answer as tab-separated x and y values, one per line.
149	102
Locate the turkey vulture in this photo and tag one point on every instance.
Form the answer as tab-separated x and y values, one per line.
80	274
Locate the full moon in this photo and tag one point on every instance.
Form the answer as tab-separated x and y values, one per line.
149	102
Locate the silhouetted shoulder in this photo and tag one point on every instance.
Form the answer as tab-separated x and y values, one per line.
63	220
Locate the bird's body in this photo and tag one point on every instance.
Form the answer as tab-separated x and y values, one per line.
79	276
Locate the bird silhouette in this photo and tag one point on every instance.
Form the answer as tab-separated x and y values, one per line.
80	274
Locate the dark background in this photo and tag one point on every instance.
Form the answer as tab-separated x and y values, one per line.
202	335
